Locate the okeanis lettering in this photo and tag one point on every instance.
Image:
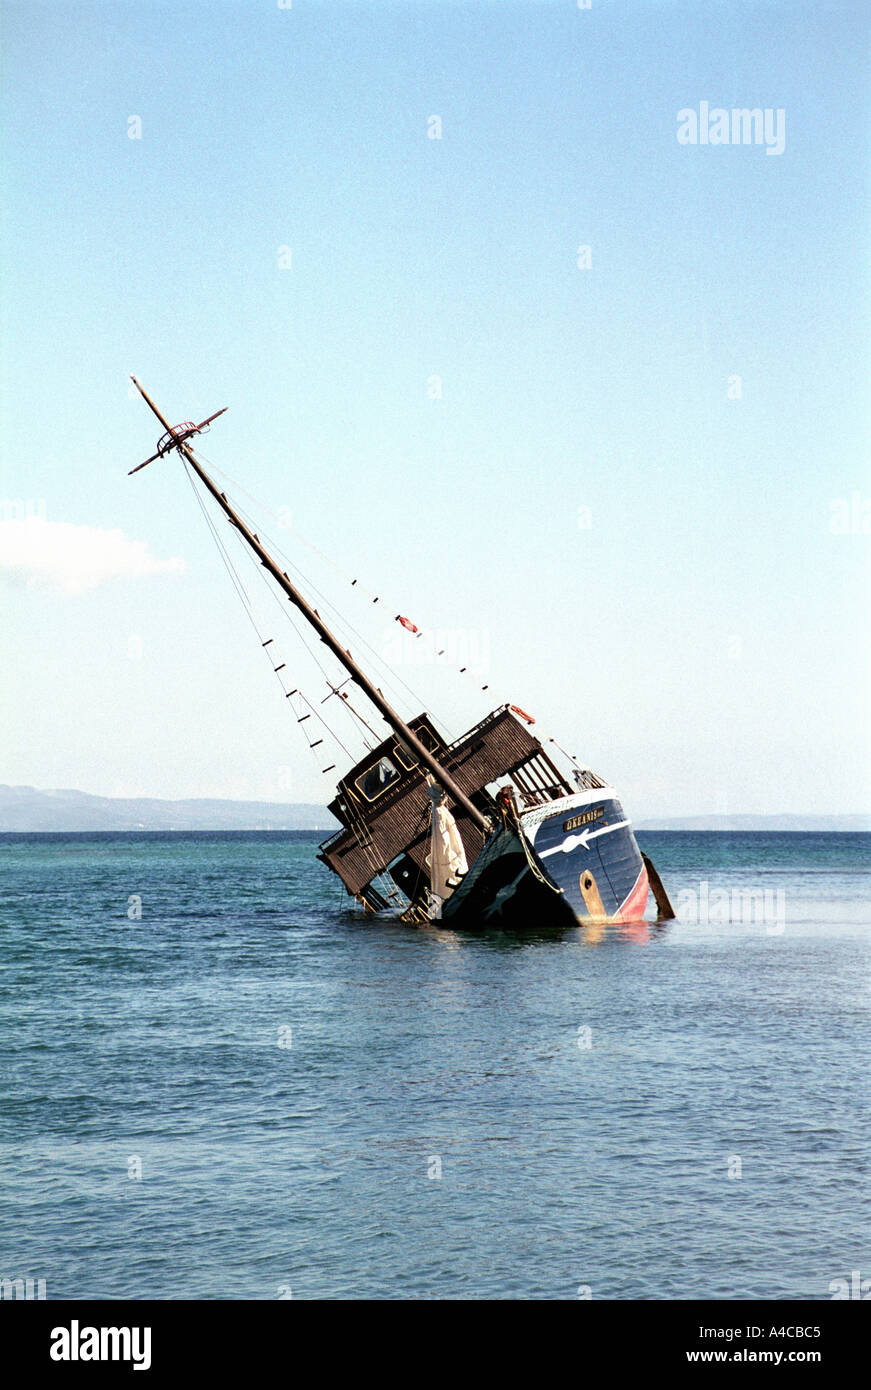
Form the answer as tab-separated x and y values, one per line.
584	818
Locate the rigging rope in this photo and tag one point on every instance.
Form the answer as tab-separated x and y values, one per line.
287	611
404	622
391	678
378	875
342	622
243	594
343	574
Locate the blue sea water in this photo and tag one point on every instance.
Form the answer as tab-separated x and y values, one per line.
663	1112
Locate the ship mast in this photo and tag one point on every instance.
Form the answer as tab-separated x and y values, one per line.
177	439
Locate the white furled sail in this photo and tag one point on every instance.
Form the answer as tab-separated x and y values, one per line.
447	858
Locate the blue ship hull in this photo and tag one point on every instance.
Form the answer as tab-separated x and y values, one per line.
573	860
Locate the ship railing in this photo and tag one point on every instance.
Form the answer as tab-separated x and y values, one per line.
470	733
541	796
587	780
333	839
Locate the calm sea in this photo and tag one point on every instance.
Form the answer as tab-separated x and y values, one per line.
250	1092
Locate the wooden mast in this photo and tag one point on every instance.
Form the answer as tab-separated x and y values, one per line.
390	716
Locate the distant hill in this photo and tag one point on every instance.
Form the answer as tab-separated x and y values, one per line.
25	809
776	822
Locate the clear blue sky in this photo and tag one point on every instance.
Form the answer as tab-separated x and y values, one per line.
704	641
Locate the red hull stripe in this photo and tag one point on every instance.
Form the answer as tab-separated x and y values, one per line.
632	908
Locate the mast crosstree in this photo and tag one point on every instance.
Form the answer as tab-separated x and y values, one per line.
177	438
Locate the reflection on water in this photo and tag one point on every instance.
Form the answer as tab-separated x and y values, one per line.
584	934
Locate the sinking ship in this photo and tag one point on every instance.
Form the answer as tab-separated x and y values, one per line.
485	832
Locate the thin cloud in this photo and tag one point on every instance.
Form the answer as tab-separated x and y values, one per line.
72	558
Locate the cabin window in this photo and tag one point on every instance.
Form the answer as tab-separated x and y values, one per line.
405	756
377	779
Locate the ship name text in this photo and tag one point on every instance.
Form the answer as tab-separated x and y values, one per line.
584	818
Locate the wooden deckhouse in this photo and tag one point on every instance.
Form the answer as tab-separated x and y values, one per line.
384	806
